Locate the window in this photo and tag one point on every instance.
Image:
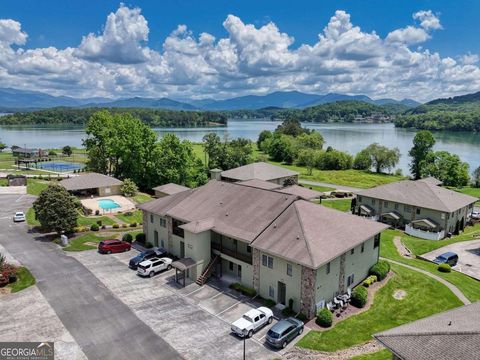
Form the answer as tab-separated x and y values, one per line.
328	268
418	211
151	218
176	230
385	203
373	201
162	242
155	237
362	248
270	262
264	260
352	251
396	206
249	249
230	265
376	241
267	261
443	216
289	269
350	280
271	292
407	208
163	222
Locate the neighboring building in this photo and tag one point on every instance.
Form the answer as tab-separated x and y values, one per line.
17	180
282	246
27	153
260	184
423	208
93	184
301	192
453	334
260	171
168	189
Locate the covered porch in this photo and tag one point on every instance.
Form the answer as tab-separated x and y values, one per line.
425	229
392	218
182	269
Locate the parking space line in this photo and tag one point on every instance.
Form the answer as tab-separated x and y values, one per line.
214	296
194	291
221	312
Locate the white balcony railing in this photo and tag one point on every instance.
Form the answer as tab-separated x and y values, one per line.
422	234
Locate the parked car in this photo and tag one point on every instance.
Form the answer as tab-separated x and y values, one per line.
152	266
252	321
283	332
145	255
19	216
449	258
476	214
113	246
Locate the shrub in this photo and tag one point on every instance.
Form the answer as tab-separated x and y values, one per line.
324	318
268	303
359	297
97	212
290	303
369	280
104	227
12	277
149	245
116	226
444	268
94	227
288	312
134	224
127	237
124	225
141	238
243	289
3	281
129	188
302	317
380	270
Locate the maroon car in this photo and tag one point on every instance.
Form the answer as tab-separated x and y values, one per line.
113	246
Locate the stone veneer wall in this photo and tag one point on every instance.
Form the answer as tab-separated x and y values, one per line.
307	292
169	233
341	277
256	269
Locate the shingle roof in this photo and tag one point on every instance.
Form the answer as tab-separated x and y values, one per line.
170	188
431	180
420	193
301	192
261	184
89	181
258	170
453	334
313	235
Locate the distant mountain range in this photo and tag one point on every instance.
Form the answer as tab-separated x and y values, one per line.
20	99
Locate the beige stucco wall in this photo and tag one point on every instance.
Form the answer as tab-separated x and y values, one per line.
110	190
247	270
149	228
197	247
271	277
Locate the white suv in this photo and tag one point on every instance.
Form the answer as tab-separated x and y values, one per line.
152	266
19	216
252	321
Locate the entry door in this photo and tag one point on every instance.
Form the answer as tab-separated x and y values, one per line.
182	249
281	291
155	238
239	271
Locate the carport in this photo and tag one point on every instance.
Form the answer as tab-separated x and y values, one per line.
181	269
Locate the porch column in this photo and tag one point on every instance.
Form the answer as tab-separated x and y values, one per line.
341	277
307	292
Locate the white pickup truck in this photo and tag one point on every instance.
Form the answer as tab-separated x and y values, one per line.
252	321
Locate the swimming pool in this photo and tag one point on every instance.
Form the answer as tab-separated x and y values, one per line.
59	166
107	204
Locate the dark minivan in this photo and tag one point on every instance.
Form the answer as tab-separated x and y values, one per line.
145	255
283	332
449	258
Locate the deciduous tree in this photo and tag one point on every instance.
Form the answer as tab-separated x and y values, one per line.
382	157
446	167
423	143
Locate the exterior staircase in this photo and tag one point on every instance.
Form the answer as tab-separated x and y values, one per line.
202	279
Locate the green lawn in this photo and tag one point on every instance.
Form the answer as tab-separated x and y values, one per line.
467	285
78	244
425	297
339	204
136	217
141	198
88	221
379	355
318	188
35	187
3	182
24	280
31	218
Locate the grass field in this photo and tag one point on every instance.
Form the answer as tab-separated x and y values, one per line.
141	198
3	182
35	187
88	221
339	204
31	218
78	244
319	188
425	297
379	355
475	192
24	280
467	285
136	217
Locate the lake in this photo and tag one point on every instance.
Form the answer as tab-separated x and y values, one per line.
346	137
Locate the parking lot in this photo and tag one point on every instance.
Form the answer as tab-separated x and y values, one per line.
468	256
195	320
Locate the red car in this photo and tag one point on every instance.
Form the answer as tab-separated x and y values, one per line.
113	246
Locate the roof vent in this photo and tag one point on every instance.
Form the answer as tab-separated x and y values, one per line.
298	237
274	226
226	214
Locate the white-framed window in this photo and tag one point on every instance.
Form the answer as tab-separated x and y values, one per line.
289	269
396	206
151	218
163	222
328	268
264	260
270	262
350	280
407	208
267	261
271	292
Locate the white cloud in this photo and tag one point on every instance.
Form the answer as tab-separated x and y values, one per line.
248	60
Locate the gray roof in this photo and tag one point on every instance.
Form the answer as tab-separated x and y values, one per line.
313	235
170	188
89	181
453	334
261	184
258	170
420	193
431	180
301	192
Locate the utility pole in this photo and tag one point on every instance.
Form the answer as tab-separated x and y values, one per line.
244	341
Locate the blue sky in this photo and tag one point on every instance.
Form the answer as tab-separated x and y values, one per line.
60	25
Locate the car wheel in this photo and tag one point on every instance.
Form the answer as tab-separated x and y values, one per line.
151	273
109	251
284	345
169	267
250	333
270	319
300	331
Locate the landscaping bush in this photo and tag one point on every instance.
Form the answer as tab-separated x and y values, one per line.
359	297
116	226
243	289
134	224
149	245
124	225
380	270
127	237
3	281
369	280
302	317
104	227
12	277
288	312
268	303
444	268
324	318
141	238
94	227
97	212
99	222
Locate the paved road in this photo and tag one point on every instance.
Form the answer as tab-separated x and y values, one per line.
335	186
103	326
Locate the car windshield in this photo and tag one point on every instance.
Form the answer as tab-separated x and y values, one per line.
144	267
441	257
247	318
145	253
273	334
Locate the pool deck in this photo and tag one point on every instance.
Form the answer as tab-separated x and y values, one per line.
125	204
